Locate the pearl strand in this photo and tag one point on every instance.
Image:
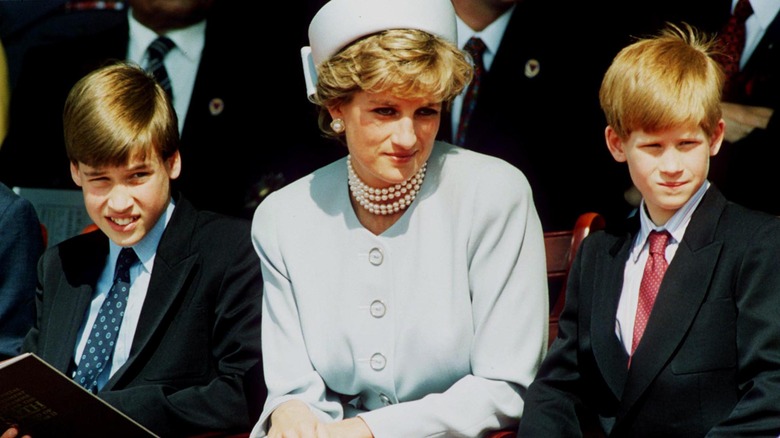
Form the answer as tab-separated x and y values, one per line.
387	200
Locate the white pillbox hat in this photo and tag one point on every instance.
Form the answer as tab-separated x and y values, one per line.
340	22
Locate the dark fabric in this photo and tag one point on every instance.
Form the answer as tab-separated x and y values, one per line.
228	163
538	110
476	48
195	364
732	40
21	244
707	363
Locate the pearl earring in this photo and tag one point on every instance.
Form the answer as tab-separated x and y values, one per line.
337	125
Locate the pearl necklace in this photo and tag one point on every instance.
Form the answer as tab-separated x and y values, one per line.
388	200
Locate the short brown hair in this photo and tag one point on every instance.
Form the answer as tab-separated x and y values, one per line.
664	81
116	112
409	63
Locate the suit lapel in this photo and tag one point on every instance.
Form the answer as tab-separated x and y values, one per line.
607	349
682	292
173	267
82	263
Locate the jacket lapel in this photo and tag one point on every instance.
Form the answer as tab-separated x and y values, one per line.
682	292
82	263
607	349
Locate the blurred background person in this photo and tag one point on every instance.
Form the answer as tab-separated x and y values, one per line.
217	101
21	244
536	104
404	285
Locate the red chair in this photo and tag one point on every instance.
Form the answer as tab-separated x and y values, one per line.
561	247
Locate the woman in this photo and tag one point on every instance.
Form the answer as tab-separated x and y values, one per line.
405	289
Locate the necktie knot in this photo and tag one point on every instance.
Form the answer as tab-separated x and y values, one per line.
156	52
743	10
127	258
658	241
160	47
476	48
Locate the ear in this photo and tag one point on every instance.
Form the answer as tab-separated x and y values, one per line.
717	137
74	173
615	145
173	165
335	112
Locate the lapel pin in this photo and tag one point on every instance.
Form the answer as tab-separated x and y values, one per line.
531	68
216	106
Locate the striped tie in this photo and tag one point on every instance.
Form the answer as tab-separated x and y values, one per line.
476	48
156	52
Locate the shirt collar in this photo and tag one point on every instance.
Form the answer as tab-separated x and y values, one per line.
491	35
764	10
147	247
676	225
189	40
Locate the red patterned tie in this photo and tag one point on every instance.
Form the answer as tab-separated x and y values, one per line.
476	48
655	268
732	44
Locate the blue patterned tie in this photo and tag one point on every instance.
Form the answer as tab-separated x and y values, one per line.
99	349
156	52
476	48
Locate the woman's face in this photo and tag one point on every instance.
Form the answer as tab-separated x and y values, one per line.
389	138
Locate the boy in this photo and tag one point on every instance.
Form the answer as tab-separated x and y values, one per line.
187	358
708	360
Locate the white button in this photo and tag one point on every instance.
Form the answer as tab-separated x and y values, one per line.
375	256
378	309
385	400
378	362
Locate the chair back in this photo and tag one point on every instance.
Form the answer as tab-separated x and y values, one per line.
561	247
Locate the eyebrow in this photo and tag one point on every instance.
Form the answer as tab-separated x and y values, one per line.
103	171
391	103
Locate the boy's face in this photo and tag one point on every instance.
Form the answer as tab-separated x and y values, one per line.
125	202
668	166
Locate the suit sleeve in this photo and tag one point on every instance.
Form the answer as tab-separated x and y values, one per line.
553	400
20	247
758	330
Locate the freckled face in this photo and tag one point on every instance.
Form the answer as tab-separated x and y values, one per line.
389	138
667	167
125	202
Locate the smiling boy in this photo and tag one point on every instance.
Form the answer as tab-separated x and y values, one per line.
187	355
672	321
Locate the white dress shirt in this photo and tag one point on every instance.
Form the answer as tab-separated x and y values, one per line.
140	274
181	62
635	266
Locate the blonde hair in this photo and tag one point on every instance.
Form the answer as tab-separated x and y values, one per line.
408	63
664	81
118	112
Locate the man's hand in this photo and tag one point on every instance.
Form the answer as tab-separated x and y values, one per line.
741	120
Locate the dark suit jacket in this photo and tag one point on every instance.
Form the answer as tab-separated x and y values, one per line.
708	363
223	156
550	125
195	364
21	244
